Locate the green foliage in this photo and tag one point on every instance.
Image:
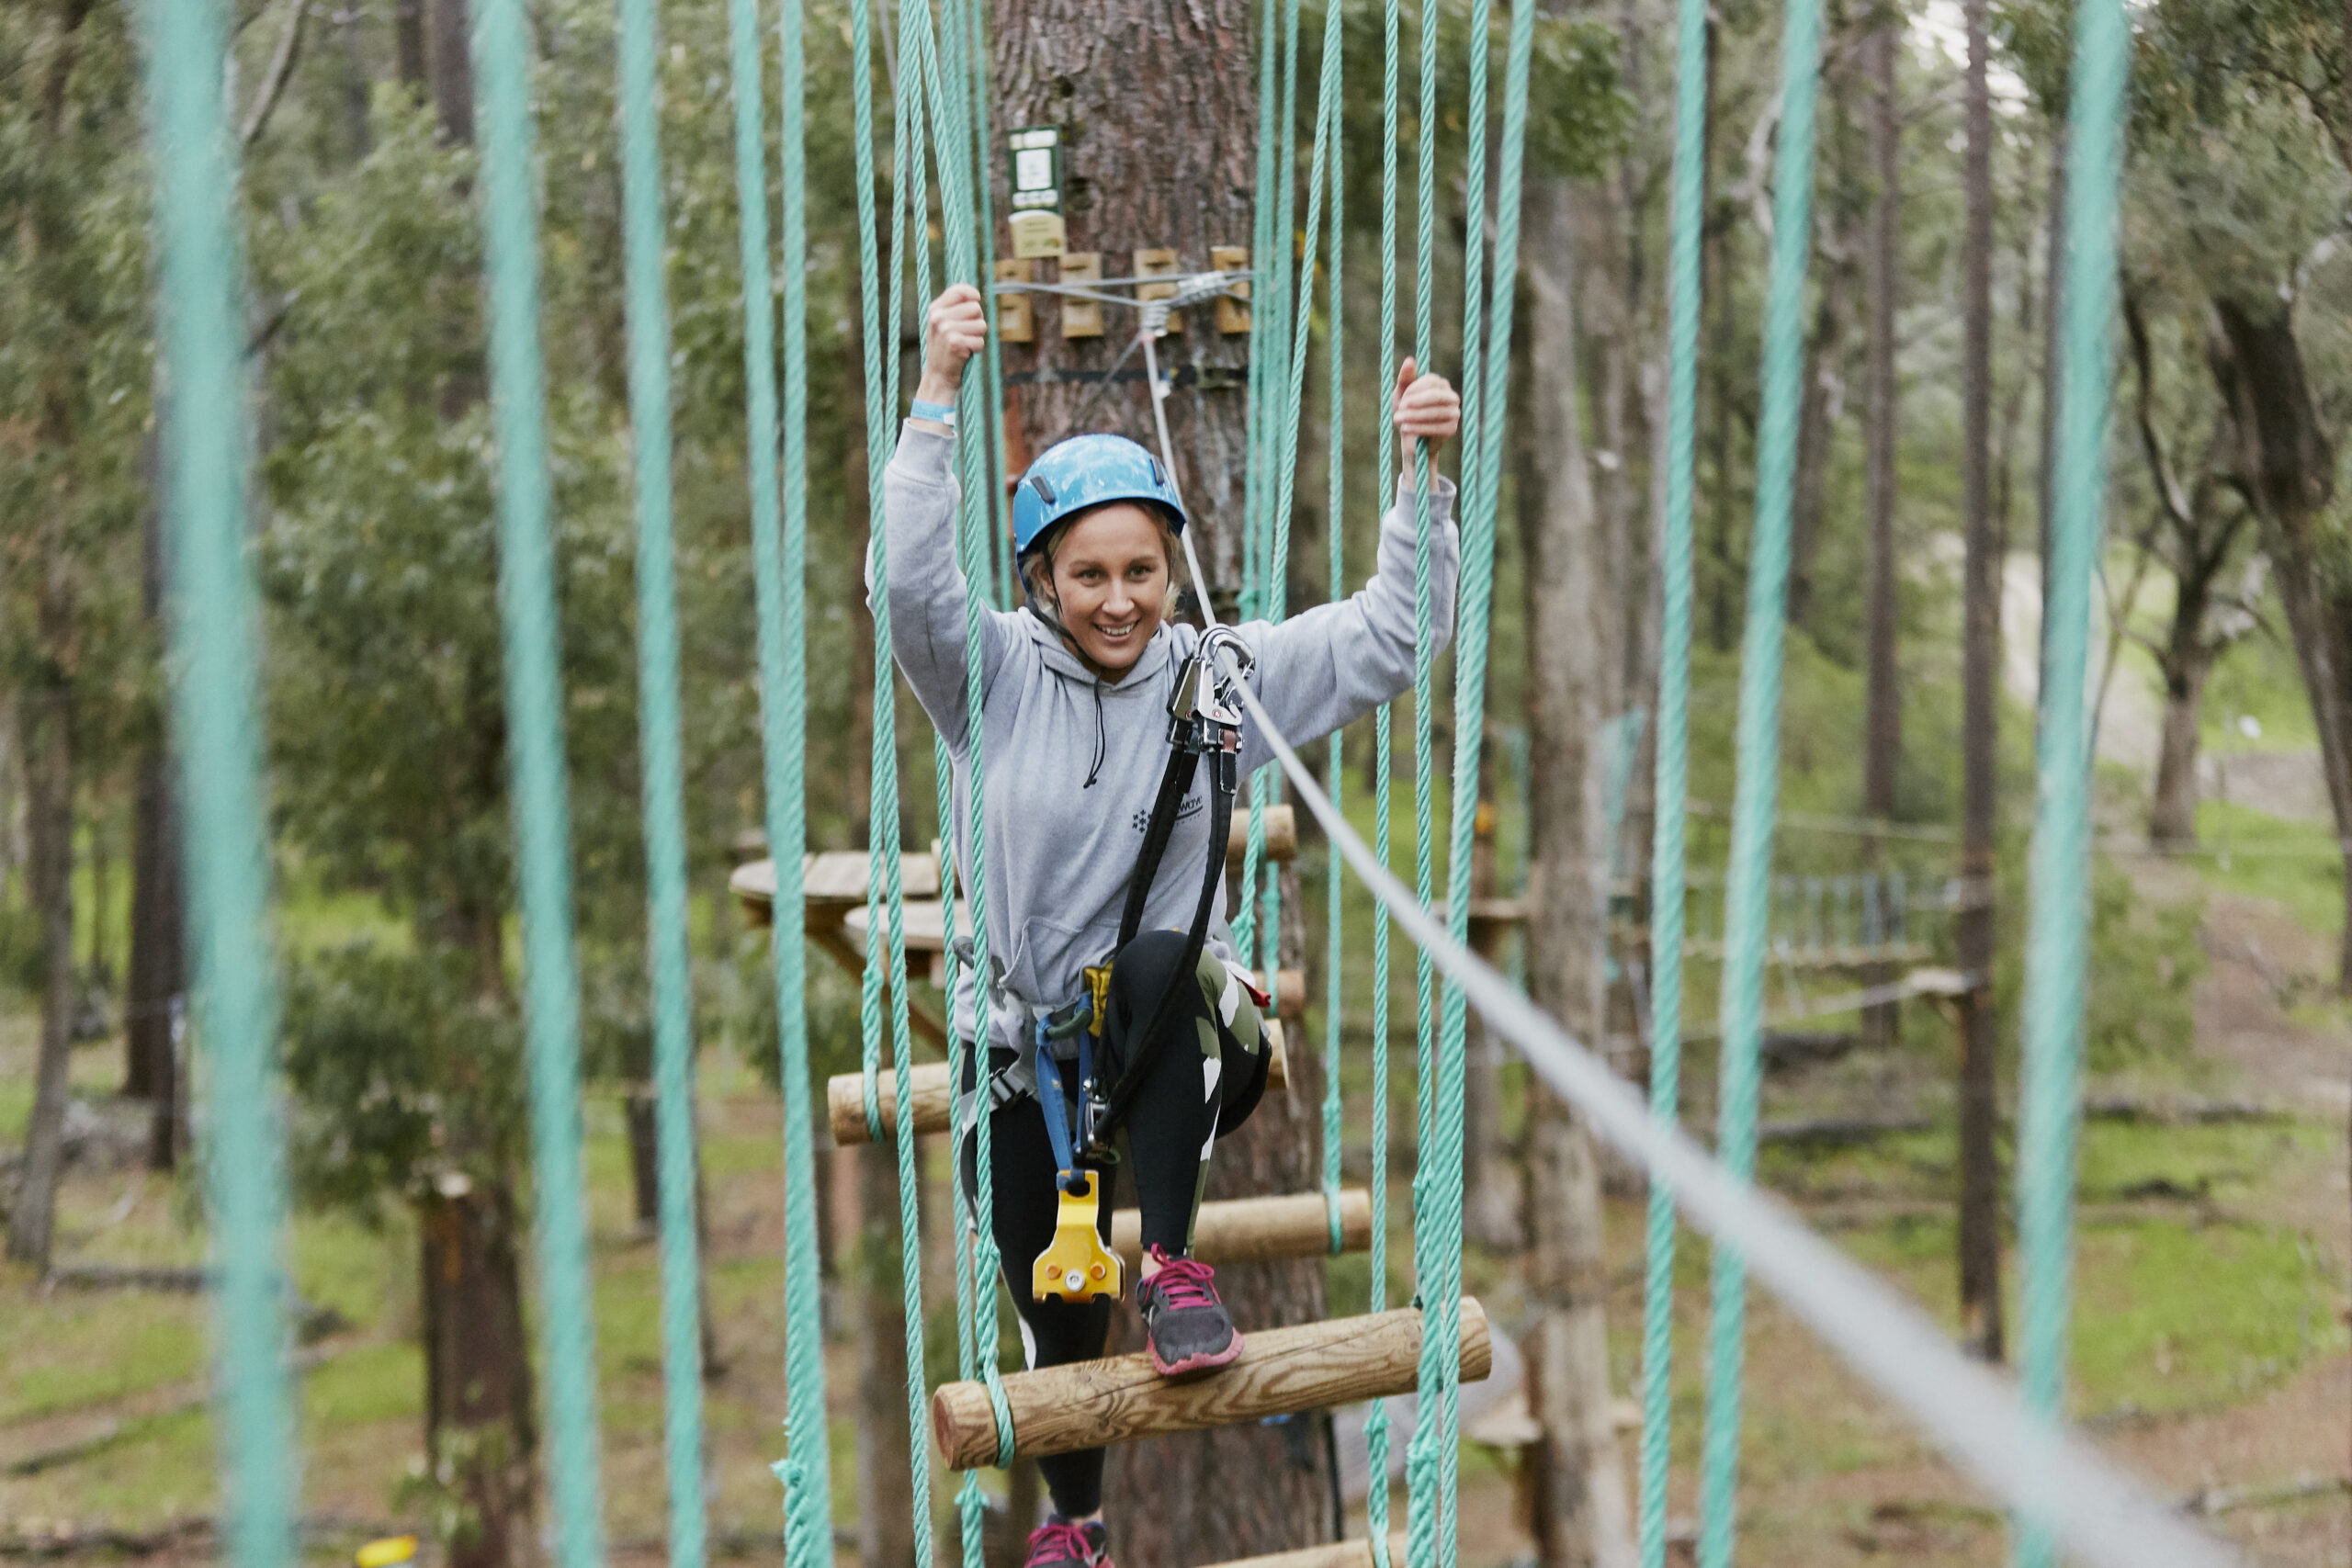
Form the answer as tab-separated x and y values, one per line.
403	1069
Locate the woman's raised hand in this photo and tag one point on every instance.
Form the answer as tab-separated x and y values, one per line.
1427	409
955	328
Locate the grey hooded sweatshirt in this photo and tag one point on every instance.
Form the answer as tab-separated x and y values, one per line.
1072	762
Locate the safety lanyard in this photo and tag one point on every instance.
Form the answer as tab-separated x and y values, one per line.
1057	1108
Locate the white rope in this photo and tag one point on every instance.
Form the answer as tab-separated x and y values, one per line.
1973	1415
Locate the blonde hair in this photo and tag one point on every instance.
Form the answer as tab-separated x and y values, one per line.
1037	564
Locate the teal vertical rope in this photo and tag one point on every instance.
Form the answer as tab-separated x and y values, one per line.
956	203
2058	946
1483	423
1335	526
1376	1434
1747	888
804	1364
664	803
216	657
784	681
1265	326
1000	563
1421	1467
1672	760
541	804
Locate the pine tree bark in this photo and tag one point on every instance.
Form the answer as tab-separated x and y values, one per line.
1980	1219
1882	752
478	1416
1158	106
1578	1482
886	1536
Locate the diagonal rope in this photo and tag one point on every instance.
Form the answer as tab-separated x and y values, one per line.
1973	1415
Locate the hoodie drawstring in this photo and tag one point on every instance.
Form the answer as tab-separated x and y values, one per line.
1101	741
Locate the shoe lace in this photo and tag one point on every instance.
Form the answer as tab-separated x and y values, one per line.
1057	1541
1184	1282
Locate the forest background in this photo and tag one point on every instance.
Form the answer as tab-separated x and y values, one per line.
2225	680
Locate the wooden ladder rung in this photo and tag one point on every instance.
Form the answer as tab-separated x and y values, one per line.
1259	1230
845	1093
1336	1554
1280	1371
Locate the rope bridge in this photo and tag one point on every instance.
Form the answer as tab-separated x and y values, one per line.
2009	1438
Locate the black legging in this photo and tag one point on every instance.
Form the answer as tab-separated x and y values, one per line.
1168	1130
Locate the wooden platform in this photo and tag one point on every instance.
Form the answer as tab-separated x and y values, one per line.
1282	1372
846	1094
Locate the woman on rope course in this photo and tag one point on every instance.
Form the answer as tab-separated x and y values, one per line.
1089	786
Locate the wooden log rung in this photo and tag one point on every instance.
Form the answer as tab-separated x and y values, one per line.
1337	1554
1259	1230
845	1093
1282	1372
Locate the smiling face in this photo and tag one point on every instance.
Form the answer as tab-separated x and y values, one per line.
1110	583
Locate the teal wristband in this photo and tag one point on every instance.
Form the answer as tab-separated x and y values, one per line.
943	412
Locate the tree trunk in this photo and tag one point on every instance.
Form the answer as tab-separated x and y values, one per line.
886	1537
2054	283
478	1420
1980	1219
157	973
638	1111
408	43
2287	472
1823	403
45	714
1157	108
1490	1202
1578	1484
1882	749
2189	658
453	70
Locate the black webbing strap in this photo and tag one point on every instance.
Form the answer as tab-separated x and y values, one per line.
1224	783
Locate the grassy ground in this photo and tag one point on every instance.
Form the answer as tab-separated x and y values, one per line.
2210	1346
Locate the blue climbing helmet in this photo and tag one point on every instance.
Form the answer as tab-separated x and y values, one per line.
1086	471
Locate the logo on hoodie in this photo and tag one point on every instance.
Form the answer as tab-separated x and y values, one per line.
1191	808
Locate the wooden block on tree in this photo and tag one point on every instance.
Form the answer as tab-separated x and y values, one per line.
1280	1371
1232	312
1013	321
1081	318
1158	262
1282	834
1259	1230
1337	1554
846	1094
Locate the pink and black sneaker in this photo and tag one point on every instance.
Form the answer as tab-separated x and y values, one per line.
1057	1543
1188	1327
